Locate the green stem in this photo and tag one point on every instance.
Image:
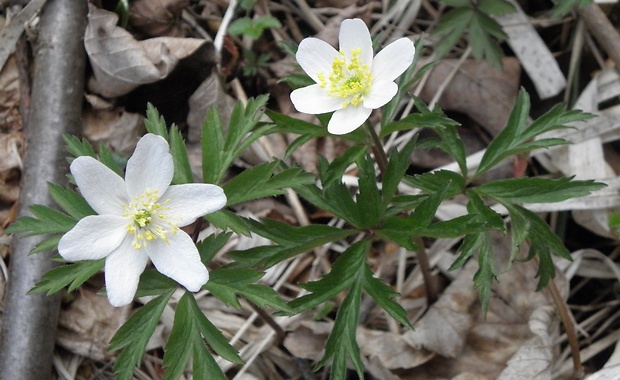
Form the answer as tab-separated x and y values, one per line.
377	148
382	161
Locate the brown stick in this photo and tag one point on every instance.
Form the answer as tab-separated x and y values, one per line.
571	334
603	31
29	321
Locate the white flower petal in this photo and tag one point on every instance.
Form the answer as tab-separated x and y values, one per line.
103	189
380	93
393	60
193	200
354	34
122	273
150	166
315	56
314	100
179	260
347	119
93	238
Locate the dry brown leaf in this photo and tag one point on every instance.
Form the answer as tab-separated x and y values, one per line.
115	128
158	18
9	85
89	323
494	339
534	358
445	326
390	349
210	94
121	63
483	92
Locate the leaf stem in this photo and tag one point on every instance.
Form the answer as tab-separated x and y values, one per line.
571	334
377	148
382	161
425	268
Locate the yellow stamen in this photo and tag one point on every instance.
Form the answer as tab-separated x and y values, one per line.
349	79
148	220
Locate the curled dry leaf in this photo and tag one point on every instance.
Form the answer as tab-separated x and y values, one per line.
490	91
389	349
115	128
121	63
445	326
534	358
9	85
89	323
493	339
210	94
158	18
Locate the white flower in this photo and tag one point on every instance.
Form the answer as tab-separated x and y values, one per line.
139	218
350	81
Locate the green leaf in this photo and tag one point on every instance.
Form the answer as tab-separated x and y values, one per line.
189	328
70	201
496	7
224	219
333	172
431	119
79	147
517	136
543	242
398	164
107	158
214	158
341	344
457	227
482	29
369	201
260	182
153	283
563	7
45	221
383	295
347	269
291	240
210	246
441	180
213	336
484	277
456	3
71	275
226	284
451	28
219	150
335	199
178	347
253	28
178	150
155	123
133	336
485	214
47	245
537	190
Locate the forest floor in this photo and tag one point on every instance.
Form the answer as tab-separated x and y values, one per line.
198	63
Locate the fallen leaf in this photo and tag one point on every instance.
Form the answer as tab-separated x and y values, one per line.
484	93
89	323
121	63
158	18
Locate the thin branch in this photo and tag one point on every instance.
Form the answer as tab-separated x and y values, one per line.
29	321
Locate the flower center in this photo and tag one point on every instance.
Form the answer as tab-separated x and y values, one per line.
349	79
147	219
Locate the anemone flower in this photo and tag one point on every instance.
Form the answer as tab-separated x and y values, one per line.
350	81
139	218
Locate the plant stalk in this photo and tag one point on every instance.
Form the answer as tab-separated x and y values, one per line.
569	327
